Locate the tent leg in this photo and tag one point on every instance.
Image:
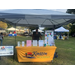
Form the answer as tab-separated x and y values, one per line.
0	57
15	38
68	35
15	30
15	45
53	31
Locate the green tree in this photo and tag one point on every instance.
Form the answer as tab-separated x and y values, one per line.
72	27
3	25
71	11
9	26
67	26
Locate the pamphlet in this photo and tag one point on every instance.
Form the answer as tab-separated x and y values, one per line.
41	42
49	38
34	42
18	43
28	42
23	43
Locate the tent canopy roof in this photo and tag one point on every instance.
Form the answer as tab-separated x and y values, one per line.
35	12
61	29
36	17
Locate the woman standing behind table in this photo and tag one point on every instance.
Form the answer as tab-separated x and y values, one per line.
36	35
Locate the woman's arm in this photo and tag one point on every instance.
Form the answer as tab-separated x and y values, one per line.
2	36
41	37
32	37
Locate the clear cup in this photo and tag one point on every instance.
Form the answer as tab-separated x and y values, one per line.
23	43
18	43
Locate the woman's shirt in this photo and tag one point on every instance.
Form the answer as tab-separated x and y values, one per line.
1	36
36	36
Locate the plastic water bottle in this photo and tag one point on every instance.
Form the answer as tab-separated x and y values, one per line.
23	43
18	43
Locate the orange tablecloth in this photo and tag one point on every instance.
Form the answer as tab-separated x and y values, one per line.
35	54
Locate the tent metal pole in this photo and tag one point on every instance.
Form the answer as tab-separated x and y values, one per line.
15	44
15	38
15	29
68	35
53	30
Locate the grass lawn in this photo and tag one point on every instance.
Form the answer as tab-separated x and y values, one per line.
65	49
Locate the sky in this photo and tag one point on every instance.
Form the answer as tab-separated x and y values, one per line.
61	10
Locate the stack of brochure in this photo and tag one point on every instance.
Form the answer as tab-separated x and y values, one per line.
28	43
34	42
40	42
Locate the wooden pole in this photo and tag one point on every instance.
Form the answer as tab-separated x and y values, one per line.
0	57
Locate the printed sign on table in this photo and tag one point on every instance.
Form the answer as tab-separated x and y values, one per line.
34	42
49	37
28	43
41	42
6	50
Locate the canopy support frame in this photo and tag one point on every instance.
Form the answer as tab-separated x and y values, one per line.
15	30
53	30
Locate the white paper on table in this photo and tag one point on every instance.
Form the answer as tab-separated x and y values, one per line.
41	42
45	41
18	43
50	41
45	37
34	42
28	43
23	43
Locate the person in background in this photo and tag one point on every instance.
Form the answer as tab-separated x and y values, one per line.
36	35
1	38
66	36
14	32
60	36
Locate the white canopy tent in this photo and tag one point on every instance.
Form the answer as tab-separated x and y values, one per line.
36	17
62	29
12	29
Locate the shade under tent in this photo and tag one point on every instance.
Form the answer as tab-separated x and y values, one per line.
33	17
36	18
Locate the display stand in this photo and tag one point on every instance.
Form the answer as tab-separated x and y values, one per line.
27	54
35	54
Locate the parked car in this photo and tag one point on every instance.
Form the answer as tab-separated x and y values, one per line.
25	33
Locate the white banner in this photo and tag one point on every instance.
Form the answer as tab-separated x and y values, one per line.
6	50
49	38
